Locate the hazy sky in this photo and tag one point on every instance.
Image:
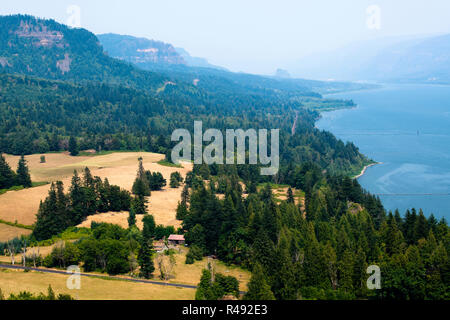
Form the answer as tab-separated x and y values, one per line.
255	36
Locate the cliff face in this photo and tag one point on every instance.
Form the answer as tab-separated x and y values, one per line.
140	50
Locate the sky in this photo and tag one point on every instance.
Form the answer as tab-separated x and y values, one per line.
255	36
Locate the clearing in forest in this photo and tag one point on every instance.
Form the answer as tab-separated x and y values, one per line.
120	168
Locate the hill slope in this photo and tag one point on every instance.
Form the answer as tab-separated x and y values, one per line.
47	49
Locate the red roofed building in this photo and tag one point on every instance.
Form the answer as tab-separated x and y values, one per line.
175	239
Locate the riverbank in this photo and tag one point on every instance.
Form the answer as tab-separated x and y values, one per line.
363	171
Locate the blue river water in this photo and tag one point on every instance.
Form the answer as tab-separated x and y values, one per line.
407	129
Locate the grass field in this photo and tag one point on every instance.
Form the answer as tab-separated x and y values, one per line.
191	274
119	167
9	232
12	281
182	273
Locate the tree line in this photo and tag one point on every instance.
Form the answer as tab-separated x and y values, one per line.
87	195
9	178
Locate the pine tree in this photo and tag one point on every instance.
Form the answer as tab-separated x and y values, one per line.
145	259
141	185
204	289
76	195
283	285
258	288
345	268
182	211
131	218
185	195
139	205
47	224
290	196
7	176
148	231
23	175
421	227
73	146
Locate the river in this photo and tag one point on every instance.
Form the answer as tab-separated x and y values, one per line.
407	129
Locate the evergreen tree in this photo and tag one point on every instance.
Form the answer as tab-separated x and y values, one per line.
258	288
185	195
175	179
131	218
7	176
76	195
421	226
141	185
23	175
204	290
47	223
155	180
182	211
73	146
139	205
346	266
290	196
148	231
145	259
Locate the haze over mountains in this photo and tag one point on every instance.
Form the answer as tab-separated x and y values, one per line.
142	51
46	49
420	59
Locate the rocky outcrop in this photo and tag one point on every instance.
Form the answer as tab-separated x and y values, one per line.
64	65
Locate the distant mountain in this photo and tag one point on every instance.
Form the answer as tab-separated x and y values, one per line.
143	52
196	62
139	50
427	60
283	74
178	65
397	59
47	49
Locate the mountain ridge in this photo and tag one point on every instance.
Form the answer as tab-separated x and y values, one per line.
414	59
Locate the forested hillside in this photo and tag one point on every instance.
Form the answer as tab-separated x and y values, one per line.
38	116
107	104
47	49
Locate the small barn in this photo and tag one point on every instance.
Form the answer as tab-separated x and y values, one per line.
176	239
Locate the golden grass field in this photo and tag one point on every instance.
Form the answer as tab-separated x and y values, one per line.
191	274
9	232
43	251
12	281
120	168
182	273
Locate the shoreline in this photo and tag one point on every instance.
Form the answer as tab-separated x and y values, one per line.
363	171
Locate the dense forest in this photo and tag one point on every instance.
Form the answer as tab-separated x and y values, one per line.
321	250
39	116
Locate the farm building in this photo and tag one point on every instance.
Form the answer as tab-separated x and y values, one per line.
176	239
